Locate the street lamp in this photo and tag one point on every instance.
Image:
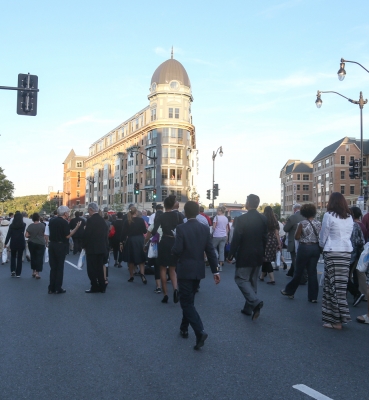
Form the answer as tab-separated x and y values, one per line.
220	149
342	73
361	102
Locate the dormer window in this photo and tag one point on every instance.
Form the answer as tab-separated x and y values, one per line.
174	85
153	87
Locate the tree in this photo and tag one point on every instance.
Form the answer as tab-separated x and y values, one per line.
277	210
6	187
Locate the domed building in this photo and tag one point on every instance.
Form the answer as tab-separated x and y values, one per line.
153	153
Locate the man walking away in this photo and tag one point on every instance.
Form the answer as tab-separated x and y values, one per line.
95	243
192	240
248	244
58	243
77	237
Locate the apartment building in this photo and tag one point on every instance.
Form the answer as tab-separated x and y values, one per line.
74	181
296	185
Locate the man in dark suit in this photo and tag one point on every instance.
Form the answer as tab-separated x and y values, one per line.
95	243
77	237
192	240
290	228
248	245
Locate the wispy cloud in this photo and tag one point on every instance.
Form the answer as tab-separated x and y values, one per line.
273	10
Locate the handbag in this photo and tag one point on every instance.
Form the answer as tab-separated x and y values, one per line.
153	250
46	255
112	232
316	234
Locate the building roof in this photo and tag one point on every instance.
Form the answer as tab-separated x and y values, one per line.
171	70
297	166
303	167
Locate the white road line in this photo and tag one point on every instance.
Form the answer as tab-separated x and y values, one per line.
311	392
73	265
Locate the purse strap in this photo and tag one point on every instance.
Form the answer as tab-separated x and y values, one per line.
315	232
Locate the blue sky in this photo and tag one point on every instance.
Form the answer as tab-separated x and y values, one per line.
255	68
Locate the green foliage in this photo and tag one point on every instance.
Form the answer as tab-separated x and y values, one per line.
117	205
6	187
30	204
277	210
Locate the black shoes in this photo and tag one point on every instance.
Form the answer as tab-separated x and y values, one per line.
246	312
256	311
200	340
358	298
131	279
51	292
175	296
60	291
290	296
165	299
184	334
93	291
284	266
143	278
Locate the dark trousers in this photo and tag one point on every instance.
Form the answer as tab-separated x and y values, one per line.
351	287
154	262
95	271
77	244
187	290
306	259
37	252
57	253
16	261
117	254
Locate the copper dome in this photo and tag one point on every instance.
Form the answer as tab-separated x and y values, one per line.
171	70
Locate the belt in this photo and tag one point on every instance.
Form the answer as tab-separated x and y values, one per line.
310	243
169	236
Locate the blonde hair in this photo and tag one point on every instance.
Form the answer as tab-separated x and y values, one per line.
131	213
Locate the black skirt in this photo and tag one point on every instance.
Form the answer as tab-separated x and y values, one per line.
165	257
133	250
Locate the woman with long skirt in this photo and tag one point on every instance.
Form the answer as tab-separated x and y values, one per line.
36	244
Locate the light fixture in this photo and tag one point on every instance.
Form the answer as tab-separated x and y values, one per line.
318	101
221	151
341	72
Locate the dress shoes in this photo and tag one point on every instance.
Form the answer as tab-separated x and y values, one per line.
200	340
246	312
92	291
256	311
183	334
60	291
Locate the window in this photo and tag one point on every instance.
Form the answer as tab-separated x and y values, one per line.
136	123
298	177
298	187
343	160
305	187
364	161
352	189
342	174
170	113
319	166
298	197
78	183
130	197
352	158
179	195
305	177
130	179
176	113
327	162
153	114
364	176
342	190
77	193
305	197
164	194
79	164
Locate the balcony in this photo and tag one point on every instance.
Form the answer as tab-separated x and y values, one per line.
172	182
151	142
177	161
172	140
149	182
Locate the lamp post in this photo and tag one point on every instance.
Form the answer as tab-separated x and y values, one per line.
68	194
360	103
342	73
220	149
135	149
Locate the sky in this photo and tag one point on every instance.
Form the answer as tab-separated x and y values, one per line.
255	68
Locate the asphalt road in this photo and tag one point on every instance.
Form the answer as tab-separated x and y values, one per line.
125	344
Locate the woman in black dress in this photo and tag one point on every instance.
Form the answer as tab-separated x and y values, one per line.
272	246
168	222
132	234
17	244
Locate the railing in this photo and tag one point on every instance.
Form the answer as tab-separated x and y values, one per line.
151	142
168	139
172	161
171	182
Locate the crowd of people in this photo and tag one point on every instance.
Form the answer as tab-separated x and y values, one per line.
177	246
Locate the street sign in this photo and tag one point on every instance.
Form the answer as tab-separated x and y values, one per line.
365	183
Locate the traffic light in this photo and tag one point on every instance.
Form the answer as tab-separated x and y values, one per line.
137	188
154	194
354	169
26	100
216	190
208	194
153	205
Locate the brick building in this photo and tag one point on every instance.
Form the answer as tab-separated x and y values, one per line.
296	185
74	181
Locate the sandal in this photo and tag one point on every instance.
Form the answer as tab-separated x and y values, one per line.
37	276
271	283
106	282
33	274
131	279
363	319
331	326
143	278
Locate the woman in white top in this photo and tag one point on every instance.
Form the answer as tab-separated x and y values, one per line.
335	239
220	234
